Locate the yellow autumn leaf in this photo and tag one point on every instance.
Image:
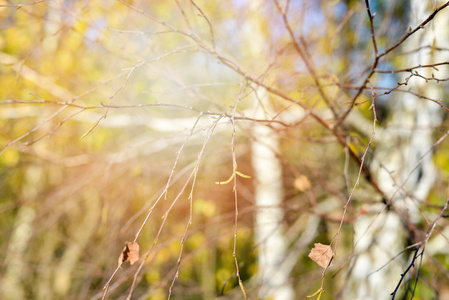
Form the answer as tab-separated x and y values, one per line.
302	183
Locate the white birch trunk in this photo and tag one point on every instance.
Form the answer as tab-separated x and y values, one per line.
270	237
404	145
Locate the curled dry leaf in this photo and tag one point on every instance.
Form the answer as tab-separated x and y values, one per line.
130	253
321	254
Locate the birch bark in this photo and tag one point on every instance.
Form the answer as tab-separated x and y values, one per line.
408	173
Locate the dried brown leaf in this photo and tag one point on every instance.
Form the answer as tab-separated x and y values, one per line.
321	254
130	253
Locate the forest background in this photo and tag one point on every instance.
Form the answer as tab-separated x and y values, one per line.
226	139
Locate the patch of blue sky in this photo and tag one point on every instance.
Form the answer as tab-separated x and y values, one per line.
340	10
240	4
314	18
96	29
385	82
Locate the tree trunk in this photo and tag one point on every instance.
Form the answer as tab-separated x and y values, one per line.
407	172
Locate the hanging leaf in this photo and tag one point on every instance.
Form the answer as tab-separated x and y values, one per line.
130	253
321	254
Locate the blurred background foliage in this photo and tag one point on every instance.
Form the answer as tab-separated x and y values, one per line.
73	193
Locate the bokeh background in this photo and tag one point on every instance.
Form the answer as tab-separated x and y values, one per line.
118	118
